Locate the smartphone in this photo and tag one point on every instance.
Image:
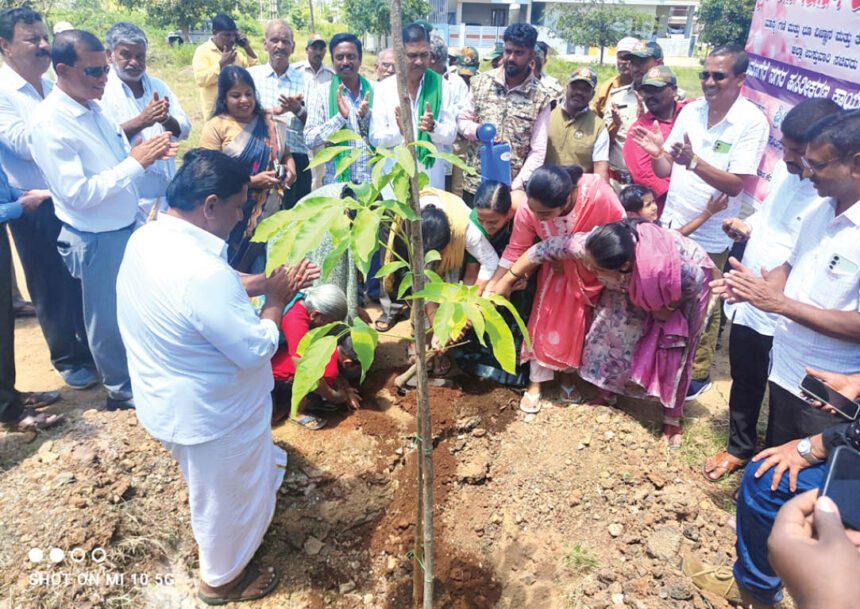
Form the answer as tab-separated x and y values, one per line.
816	389
842	484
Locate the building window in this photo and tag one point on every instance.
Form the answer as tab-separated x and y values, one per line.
499	17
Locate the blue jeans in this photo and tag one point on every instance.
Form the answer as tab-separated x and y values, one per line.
757	508
94	258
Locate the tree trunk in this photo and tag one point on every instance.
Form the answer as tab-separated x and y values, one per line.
424	529
601	54
311	11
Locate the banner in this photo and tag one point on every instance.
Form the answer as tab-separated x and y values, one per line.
800	49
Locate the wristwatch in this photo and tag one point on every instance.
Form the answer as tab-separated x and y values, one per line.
804	449
694	162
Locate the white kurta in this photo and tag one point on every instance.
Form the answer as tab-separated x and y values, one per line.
199	362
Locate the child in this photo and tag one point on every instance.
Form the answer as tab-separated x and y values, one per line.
639	202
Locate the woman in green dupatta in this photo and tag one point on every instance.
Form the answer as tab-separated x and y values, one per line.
241	129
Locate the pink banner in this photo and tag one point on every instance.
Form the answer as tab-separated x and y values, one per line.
799	50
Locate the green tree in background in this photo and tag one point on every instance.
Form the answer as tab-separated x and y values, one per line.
726	21
374	16
597	23
184	14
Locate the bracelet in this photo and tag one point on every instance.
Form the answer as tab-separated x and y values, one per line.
511	271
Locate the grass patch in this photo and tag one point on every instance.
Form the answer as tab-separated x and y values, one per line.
580	560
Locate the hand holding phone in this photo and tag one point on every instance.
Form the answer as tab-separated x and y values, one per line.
824	396
842	484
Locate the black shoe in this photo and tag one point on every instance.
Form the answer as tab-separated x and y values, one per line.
113	404
697	388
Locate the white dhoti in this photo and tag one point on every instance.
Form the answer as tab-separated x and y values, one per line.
232	488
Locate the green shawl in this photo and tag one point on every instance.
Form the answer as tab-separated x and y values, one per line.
365	87
430	93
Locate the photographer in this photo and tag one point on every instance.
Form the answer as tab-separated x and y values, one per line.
765	489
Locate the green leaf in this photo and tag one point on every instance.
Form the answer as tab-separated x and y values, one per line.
312	335
279	249
504	302
501	338
364	341
400	185
333	258
442	322
423	181
405	284
344	135
311	368
457	162
389	268
310	233
365	238
405	159
403	210
458	320
347	161
326	154
271	226
428	146
433	276
476	316
432	256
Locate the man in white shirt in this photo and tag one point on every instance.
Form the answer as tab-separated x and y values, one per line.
315	71
384	64
56	294
458	91
432	114
144	107
816	292
86	162
716	143
770	235
199	359
282	90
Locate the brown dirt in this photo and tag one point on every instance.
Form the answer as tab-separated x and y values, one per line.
581	507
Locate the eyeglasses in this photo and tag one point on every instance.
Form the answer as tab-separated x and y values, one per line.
717	76
94	71
816	166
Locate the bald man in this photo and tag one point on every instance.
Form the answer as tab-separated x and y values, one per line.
385	64
282	90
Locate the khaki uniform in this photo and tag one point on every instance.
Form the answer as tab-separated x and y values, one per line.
512	112
571	138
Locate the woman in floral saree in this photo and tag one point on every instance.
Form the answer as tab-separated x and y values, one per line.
241	129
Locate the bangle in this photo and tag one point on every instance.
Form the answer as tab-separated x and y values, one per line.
511	271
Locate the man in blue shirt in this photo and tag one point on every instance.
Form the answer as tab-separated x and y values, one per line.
16	407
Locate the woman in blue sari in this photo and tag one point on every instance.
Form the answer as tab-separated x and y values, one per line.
241	129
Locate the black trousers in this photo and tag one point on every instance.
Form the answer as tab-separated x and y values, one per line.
791	418
10	405
302	186
54	292
749	356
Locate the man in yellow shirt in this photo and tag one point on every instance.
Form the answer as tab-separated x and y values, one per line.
214	54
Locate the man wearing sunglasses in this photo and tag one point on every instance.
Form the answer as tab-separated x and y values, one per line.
715	144
90	170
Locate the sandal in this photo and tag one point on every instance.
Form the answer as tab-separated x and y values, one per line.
38	399
722	465
530	404
30	420
387	320
441	365
570	395
309	421
235	595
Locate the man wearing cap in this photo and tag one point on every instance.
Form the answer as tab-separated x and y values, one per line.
619	111
577	136
600	104
512	99
658	91
468	63
643	56
315	71
497	54
384	64
219	51
715	144
547	80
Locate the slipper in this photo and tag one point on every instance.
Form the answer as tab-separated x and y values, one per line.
723	464
570	395
235	594
530	404
386	321
441	365
323	406
308	421
38	399
30	420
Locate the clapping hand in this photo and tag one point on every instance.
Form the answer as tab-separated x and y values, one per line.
427	123
156	111
289	103
651	141
342	104
158	148
682	152
364	106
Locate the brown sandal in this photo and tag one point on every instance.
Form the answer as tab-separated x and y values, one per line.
723	464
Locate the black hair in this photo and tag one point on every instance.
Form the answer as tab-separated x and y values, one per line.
799	119
632	197
492	195
415	32
521	34
13	16
741	60
574	171
435	229
611	245
544	47
65	49
551	185
341	38
203	173
229	76
223	23
841	130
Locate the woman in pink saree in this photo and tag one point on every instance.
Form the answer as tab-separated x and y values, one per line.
651	315
561	201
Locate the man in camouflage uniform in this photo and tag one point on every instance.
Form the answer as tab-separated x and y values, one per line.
511	98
